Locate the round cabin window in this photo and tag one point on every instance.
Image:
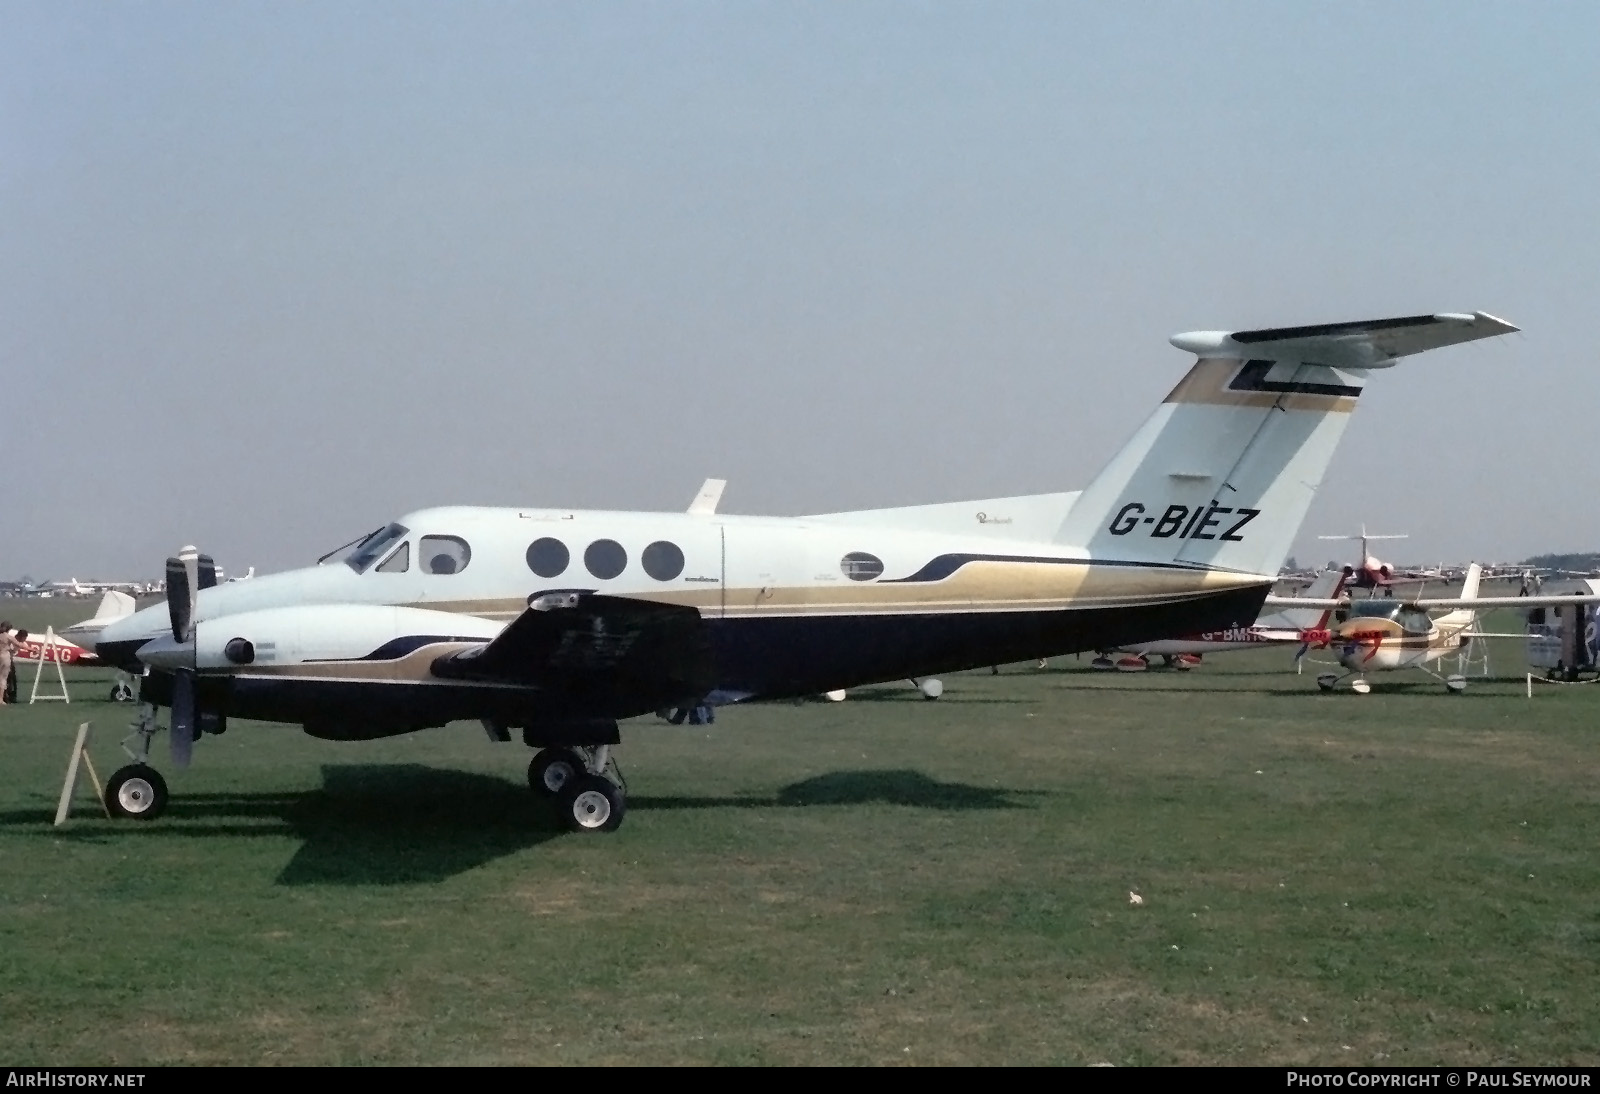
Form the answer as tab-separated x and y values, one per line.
605	559
662	560
444	554
860	566
548	557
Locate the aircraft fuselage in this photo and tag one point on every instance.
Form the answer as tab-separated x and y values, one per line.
789	606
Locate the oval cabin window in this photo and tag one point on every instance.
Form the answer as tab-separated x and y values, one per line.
662	560
860	566
548	557
605	559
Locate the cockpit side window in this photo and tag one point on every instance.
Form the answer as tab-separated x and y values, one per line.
1416	622
375	547
397	563
443	554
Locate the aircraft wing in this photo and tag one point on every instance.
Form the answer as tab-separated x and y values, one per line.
606	655
1437	603
1319	603
1367	343
1505	601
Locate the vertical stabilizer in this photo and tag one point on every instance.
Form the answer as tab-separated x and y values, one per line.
1223	472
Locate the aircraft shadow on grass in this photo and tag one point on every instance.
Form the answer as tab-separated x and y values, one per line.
905	788
410	824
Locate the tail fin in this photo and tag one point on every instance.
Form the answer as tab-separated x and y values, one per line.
1223	472
1328	585
114	605
1469	587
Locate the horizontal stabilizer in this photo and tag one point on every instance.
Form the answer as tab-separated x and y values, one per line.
1367	343
1440	603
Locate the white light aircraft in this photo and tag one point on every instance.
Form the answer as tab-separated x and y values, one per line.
1383	633
558	622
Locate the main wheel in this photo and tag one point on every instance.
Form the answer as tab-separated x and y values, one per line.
137	792
122	692
592	803
552	769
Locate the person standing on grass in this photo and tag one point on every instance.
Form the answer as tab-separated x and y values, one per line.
8	654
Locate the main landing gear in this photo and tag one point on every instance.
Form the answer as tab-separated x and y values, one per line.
585	784
1454	684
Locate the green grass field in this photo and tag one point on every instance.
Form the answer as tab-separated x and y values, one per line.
1402	878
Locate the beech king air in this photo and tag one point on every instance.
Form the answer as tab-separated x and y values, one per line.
557	623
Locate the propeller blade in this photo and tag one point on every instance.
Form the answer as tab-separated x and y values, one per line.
191	568
184	718
180	599
207	570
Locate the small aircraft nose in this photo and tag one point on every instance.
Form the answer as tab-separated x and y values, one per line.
121	653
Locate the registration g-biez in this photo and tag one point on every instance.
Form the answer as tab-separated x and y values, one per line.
1201	522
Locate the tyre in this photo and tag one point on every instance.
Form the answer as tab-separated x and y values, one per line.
136	792
553	768
592	803
122	692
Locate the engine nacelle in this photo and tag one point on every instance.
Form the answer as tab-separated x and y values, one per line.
328	632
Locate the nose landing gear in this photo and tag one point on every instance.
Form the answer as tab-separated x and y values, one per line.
137	791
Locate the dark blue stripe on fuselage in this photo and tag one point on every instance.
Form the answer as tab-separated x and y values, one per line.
944	566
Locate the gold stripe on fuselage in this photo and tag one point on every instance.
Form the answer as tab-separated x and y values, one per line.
981	585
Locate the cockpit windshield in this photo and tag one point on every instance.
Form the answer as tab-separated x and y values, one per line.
370	548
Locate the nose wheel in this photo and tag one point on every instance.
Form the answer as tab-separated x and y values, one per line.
136	792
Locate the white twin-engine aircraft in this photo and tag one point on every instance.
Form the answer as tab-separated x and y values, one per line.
557	623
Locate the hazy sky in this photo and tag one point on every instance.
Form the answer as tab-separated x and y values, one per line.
275	273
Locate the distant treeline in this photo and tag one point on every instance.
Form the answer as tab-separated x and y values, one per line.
1581	560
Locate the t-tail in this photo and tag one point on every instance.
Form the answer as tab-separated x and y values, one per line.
1221	475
